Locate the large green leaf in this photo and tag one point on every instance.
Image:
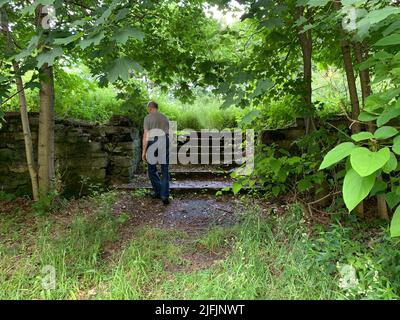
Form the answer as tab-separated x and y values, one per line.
378	100
121	69
393	27
122	36
49	56
365	135
356	188
366	162
250	116
391	165
392	199
388	114
32	45
385	132
94	38
395	224
391	40
121	14
379	15
396	145
67	40
236	187
336	154
229	100
262	86
366	116
378	188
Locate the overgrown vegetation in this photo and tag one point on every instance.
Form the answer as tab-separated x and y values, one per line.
273	255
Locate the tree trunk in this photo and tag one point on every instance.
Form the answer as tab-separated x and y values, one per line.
46	167
365	81
381	205
27	133
46	130
305	40
361	55
351	81
23	109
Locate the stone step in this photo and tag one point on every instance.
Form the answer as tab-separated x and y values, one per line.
208	134
210	143
184	185
191	172
202	167
209	140
209	155
198	174
209	147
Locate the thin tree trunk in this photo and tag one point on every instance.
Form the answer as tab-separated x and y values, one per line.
46	167
351	81
381	205
27	133
361	54
305	40
365	81
46	130
23	110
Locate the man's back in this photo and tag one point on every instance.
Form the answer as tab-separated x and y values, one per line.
153	122
156	120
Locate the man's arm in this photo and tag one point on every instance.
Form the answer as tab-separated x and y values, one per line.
144	144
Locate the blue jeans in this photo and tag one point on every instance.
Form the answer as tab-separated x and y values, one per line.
160	184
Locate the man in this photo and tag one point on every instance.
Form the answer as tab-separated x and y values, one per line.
156	151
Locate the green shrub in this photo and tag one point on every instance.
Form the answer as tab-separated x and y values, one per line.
364	260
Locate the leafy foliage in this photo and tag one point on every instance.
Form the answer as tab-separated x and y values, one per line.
279	171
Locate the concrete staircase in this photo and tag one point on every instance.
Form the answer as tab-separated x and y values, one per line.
210	172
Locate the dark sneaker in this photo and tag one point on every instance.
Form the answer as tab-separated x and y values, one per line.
165	201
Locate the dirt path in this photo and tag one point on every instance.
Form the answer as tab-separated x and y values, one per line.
188	211
192	213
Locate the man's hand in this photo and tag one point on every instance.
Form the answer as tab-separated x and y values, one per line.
144	146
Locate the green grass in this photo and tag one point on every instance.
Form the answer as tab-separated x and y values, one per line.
264	256
218	237
202	113
260	266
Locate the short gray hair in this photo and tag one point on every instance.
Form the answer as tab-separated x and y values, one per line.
152	104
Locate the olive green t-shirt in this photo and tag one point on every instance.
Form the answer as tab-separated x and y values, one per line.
156	120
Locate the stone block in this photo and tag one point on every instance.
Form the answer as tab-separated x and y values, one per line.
121	161
83	163
18	168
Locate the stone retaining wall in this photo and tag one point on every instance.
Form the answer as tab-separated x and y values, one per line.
87	156
285	137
